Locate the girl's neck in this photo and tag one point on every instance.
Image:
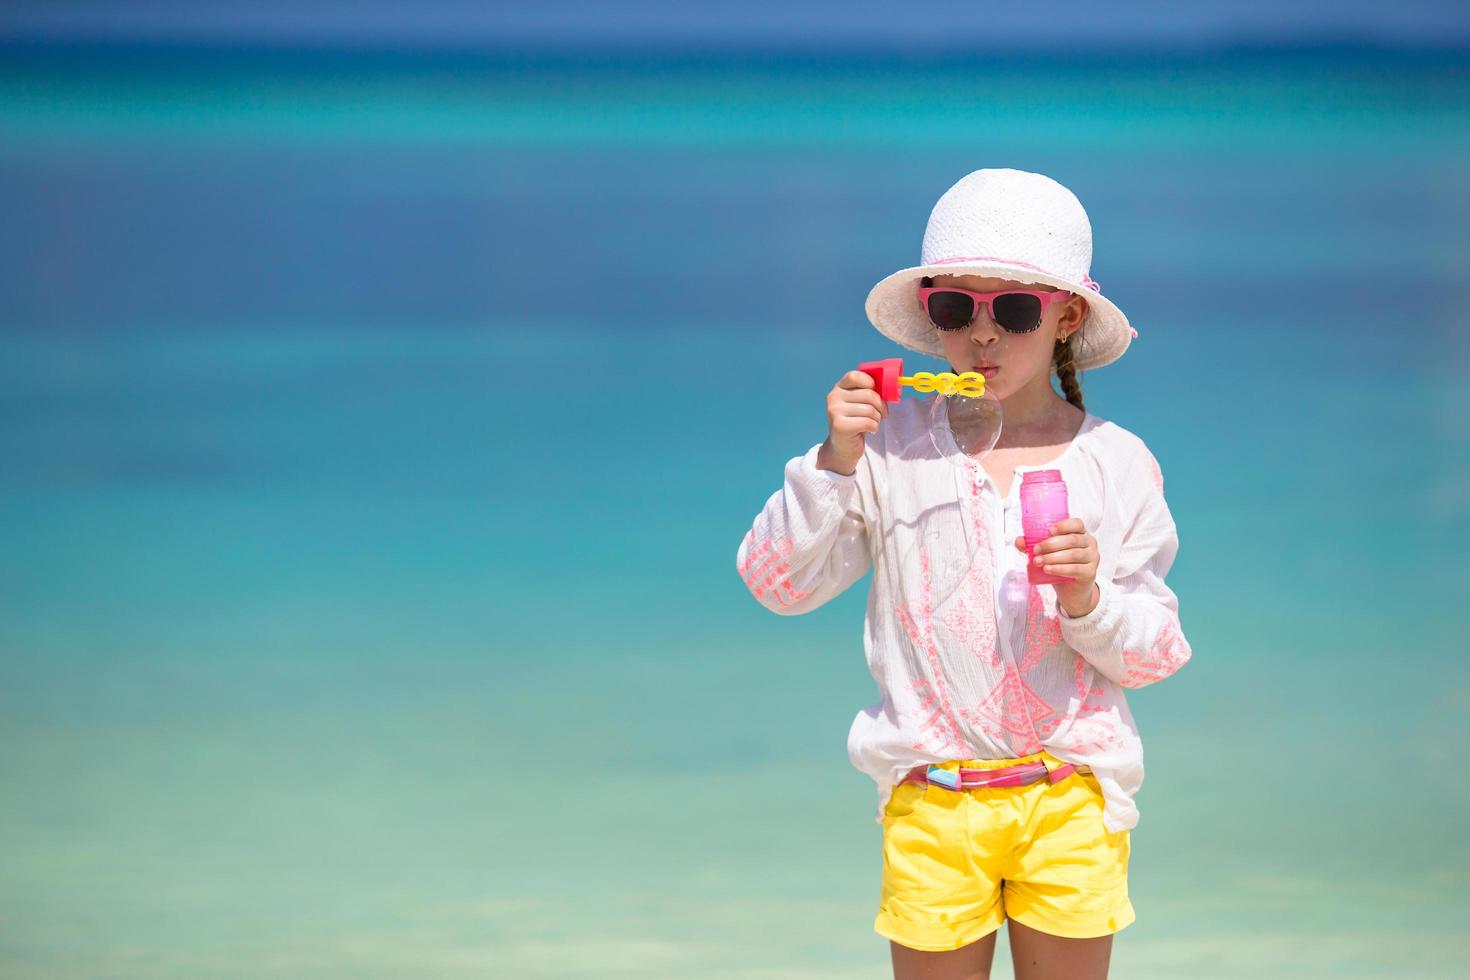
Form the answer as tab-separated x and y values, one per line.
1037	410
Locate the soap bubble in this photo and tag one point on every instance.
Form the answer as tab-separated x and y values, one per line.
965	427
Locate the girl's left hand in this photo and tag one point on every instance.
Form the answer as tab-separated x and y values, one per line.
1071	552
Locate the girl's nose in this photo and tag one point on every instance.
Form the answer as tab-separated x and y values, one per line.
982	328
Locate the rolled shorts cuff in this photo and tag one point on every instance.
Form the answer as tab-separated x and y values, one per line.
938	938
1071	925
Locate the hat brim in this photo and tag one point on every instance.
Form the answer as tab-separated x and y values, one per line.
893	308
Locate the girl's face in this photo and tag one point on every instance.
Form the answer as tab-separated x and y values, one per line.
1024	359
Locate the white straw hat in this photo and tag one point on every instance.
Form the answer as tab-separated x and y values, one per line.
1004	224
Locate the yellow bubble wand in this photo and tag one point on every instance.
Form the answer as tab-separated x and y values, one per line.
888	377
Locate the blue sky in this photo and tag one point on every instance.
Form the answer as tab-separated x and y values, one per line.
731	23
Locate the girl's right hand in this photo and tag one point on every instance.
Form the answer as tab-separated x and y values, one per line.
854	408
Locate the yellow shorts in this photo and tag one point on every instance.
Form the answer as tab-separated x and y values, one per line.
957	864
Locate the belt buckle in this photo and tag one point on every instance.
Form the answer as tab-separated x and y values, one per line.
942	777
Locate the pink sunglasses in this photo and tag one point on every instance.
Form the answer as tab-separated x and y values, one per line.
1015	310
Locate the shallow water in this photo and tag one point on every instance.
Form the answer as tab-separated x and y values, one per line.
372	458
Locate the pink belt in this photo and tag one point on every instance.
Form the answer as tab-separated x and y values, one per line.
1022	774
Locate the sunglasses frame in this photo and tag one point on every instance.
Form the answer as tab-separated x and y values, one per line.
983	299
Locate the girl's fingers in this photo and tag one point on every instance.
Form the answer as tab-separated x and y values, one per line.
1077	546
869	399
854	410
1071	556
1063	541
857	388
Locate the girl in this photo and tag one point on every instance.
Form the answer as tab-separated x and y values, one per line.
1003	750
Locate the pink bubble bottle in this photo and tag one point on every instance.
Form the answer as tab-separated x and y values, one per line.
1043	503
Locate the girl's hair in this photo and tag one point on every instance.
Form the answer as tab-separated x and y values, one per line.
1066	368
1061	362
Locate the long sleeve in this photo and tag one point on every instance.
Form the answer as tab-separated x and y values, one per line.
810	541
1133	636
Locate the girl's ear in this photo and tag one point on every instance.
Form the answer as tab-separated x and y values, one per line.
1077	309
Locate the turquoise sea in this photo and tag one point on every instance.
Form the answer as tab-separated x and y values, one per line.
377	433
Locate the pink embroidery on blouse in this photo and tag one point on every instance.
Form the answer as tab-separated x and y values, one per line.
1048	726
1095	732
1043	625
937	728
1096	727
917	618
765	567
1013	707
1079	672
1169	652
977	510
785	595
975	630
1156	473
755	558
972	617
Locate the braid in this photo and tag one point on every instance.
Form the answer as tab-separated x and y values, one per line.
1066	369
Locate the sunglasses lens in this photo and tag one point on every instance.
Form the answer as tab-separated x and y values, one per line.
1017	312
951	311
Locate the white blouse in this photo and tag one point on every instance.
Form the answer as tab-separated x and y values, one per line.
972	661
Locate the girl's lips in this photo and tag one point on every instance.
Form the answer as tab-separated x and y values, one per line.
989	372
